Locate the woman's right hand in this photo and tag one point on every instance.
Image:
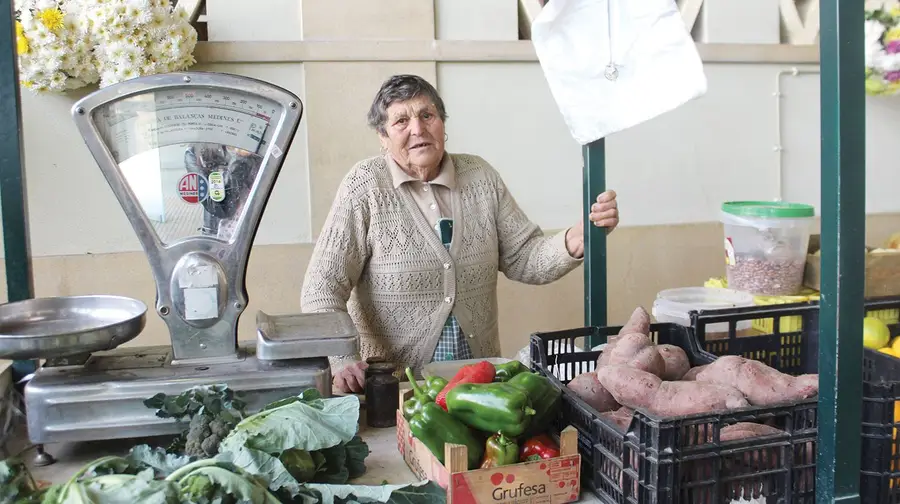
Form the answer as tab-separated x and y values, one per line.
351	379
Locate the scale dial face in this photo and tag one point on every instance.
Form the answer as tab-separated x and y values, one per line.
190	155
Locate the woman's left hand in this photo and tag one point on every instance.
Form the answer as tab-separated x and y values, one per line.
604	213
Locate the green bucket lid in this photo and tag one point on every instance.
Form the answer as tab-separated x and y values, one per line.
768	209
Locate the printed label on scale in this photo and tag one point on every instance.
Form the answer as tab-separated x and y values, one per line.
216	186
193	188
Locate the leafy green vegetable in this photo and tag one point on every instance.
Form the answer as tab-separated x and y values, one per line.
418	493
314	425
162	462
210	480
302	439
212	412
15	480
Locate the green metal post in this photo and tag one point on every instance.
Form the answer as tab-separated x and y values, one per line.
594	240
843	108
19	284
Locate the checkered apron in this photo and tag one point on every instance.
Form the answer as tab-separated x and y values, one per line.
453	344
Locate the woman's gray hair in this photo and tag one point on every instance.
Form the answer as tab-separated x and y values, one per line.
401	88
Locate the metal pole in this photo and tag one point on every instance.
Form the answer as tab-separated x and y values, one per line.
843	103
594	240
19	282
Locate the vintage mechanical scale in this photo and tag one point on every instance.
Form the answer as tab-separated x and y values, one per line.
192	158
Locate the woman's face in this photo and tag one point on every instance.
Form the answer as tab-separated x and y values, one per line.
415	134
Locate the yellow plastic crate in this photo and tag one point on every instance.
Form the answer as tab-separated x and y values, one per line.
787	324
767	325
889	317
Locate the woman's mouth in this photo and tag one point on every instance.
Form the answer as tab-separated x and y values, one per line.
419	145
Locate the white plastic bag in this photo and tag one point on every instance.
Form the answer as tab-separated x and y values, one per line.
657	67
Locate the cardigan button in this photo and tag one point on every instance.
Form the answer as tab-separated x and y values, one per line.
446	266
448	299
471	336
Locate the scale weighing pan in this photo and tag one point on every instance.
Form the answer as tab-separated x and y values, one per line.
68	325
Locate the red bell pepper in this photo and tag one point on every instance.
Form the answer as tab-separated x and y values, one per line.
537	448
480	372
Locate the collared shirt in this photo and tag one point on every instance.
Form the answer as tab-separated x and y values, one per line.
432	198
434	201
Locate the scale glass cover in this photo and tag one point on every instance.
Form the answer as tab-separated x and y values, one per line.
192	158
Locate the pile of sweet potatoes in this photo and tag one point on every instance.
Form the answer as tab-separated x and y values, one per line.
635	373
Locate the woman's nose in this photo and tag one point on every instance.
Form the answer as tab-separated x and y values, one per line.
416	126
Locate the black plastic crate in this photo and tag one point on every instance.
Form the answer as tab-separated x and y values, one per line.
797	352
679	459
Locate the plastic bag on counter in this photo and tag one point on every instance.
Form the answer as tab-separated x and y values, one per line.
613	64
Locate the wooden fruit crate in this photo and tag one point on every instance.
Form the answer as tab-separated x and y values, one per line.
551	481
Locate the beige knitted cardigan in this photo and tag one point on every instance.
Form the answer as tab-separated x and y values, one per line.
379	259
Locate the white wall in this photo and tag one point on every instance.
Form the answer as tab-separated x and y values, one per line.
677	168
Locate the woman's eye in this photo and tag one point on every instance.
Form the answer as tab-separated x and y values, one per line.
426	115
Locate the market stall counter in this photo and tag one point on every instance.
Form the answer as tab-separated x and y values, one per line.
385	477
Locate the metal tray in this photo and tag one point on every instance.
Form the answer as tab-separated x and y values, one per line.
305	335
69	325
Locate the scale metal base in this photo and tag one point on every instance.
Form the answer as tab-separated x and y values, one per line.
101	396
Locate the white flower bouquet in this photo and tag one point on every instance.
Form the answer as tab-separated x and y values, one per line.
68	44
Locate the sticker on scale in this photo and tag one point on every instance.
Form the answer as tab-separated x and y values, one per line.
193	188
216	186
729	253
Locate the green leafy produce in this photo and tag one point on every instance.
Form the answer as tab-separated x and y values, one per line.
15	480
215	481
212	412
300	450
306	439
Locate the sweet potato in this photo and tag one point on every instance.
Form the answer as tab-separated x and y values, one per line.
691	375
621	417
744	430
634	350
587	387
761	384
639	389
639	322
677	363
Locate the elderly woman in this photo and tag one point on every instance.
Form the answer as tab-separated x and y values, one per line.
415	238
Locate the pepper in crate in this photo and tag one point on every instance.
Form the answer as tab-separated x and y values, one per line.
434	427
499	451
480	372
508	370
491	407
434	385
538	447
545	399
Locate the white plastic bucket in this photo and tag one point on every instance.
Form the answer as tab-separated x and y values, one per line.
674	305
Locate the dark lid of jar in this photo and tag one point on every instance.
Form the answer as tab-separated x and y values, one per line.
381	368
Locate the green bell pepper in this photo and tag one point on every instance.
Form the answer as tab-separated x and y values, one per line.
507	370
491	407
434	385
545	399
500	451
434	427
